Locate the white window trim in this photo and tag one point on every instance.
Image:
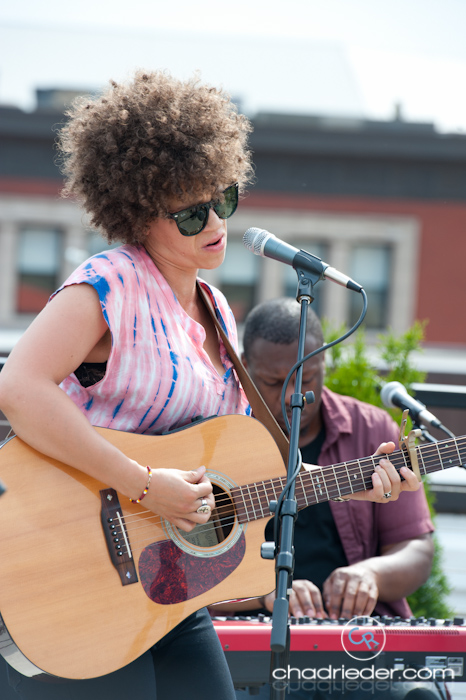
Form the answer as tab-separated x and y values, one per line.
340	232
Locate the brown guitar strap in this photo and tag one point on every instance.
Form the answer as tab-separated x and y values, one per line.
259	407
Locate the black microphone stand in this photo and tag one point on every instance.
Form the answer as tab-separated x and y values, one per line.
287	514
425	436
286	509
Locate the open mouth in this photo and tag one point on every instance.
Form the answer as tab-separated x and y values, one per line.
217	242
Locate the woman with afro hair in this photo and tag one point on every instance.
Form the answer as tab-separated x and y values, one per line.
127	343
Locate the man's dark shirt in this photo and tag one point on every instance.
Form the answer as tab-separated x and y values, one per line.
316	537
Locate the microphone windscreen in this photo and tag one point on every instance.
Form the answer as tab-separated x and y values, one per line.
387	391
254	238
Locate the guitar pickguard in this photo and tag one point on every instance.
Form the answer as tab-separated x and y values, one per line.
169	575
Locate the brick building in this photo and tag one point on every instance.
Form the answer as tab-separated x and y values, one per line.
384	202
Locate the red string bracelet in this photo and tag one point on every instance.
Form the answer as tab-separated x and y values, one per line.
138	500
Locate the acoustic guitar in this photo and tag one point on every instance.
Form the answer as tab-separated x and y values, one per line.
89	581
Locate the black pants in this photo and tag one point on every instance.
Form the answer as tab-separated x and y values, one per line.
187	664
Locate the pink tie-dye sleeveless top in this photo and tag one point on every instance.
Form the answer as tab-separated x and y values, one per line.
158	375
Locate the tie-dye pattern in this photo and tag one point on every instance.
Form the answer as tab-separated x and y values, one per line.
158	375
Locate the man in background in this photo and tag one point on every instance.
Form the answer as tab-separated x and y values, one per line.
351	558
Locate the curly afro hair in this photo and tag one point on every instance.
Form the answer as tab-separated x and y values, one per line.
129	151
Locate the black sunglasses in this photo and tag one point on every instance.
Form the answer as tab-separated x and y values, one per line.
193	220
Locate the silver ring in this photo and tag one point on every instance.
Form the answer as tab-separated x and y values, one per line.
204	507
388	494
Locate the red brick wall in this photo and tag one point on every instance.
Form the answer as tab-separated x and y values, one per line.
441	294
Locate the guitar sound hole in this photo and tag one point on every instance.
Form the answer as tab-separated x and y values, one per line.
224	513
219	525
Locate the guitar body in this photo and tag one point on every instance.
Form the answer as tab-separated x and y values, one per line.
65	606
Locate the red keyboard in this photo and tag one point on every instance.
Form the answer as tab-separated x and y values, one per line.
415	649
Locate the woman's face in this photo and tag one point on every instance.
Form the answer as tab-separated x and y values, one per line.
168	246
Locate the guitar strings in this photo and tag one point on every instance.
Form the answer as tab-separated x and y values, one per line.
330	482
356	466
429	458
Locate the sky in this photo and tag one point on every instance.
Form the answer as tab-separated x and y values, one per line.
340	58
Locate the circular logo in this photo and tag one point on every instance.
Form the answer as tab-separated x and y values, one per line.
363	638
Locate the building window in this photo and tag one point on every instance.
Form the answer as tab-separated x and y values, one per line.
290	285
39	254
371	267
90	244
237	279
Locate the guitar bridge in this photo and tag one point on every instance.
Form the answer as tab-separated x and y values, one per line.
116	536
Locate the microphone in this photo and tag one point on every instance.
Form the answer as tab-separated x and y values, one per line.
261	242
394	395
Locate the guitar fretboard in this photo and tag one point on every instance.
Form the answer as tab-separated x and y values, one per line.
340	480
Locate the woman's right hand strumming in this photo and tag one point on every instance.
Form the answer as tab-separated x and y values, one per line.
176	495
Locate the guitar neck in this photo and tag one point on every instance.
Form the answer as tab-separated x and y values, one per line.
323	484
